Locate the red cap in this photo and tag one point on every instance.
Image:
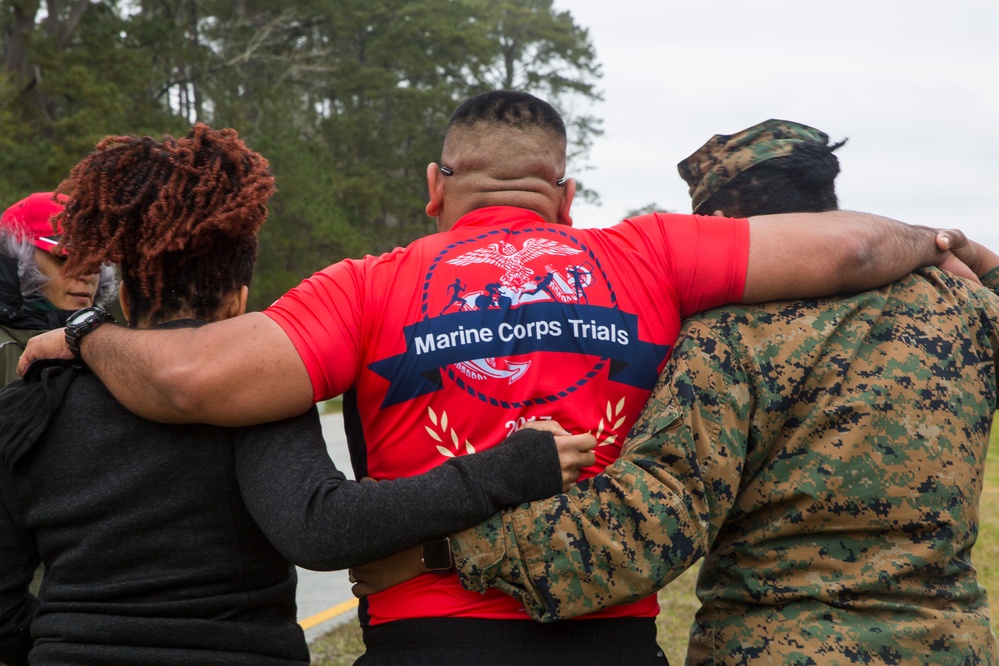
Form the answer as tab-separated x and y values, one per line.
32	218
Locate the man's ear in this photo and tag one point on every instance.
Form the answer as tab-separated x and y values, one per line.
568	194
125	305
719	213
435	185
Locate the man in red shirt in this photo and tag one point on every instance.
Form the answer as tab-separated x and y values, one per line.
428	379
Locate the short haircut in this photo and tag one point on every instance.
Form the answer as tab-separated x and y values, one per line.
512	109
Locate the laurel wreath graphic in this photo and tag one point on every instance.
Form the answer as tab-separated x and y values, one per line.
613	416
444	432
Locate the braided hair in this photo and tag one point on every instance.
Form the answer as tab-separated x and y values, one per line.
180	216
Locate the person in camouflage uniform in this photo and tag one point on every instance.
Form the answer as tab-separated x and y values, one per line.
825	458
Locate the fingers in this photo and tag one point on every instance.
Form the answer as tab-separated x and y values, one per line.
586	441
579	444
962	255
943	240
955	266
361	590
969	252
51	344
548	425
966	252
575	452
978	258
950	239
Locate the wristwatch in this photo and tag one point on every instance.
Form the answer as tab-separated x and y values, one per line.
437	555
82	322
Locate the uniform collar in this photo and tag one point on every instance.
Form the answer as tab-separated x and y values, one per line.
493	216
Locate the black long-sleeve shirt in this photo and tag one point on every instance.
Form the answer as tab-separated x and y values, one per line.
167	544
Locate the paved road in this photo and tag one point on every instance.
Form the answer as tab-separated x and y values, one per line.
325	593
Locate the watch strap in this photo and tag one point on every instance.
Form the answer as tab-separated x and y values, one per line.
92	318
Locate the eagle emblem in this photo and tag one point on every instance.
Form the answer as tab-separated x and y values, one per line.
507	257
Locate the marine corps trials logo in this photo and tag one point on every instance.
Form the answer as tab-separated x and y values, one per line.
492	305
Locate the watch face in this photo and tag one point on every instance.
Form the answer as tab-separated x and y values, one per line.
437	554
80	316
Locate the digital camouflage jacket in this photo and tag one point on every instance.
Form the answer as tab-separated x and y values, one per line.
824	458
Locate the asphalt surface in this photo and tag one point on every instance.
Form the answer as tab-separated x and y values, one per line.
324	598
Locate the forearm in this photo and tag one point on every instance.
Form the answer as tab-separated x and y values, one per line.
612	539
235	372
889	250
648	517
321	521
805	255
136	368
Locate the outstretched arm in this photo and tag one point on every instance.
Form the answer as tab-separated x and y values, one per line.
320	520
627	532
574	451
649	516
805	255
241	371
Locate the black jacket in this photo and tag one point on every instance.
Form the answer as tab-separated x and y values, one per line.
169	544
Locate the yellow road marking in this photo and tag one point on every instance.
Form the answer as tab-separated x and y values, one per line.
327	614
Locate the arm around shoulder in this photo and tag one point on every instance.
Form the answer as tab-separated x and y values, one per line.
318	519
240	371
635	527
806	255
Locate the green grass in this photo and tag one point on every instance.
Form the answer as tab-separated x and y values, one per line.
343	644
339	647
986	552
332	406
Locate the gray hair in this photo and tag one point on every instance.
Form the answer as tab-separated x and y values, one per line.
31	278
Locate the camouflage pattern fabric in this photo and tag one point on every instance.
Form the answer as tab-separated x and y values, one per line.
725	156
826	460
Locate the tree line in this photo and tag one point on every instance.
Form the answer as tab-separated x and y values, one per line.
347	99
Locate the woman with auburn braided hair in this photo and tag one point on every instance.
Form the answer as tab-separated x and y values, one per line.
173	544
180	216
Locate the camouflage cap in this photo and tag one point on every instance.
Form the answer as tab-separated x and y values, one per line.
725	156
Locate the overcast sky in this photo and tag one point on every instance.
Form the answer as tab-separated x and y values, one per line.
914	85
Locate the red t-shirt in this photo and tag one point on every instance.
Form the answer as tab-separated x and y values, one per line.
455	341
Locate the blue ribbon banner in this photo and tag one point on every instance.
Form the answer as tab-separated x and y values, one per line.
591	330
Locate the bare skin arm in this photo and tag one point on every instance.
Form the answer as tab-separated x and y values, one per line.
188	375
804	255
185	376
